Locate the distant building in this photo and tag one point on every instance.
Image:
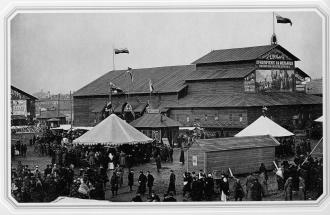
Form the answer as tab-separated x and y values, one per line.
51	118
223	92
314	87
62	102
22	107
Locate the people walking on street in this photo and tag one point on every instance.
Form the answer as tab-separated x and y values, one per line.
150	182
171	186
142	183
130	178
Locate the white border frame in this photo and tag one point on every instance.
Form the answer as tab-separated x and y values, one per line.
150	6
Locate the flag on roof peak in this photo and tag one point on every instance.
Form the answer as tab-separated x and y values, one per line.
283	20
120	51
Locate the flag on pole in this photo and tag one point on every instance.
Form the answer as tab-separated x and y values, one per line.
129	72
121	51
284	20
151	87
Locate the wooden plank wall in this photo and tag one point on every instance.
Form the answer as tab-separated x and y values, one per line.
216	87
200	160
283	114
200	114
83	106
240	161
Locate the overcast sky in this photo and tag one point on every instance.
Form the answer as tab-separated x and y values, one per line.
63	52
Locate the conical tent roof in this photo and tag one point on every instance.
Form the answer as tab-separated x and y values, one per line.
320	119
112	131
264	126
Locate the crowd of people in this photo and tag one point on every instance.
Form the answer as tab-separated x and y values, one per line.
88	171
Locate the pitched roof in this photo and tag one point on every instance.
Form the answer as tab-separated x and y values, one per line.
302	73
50	114
245	100
234	143
23	92
239	54
239	71
154	120
164	79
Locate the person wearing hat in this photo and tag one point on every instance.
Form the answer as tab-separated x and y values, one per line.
114	184
142	183
208	187
150	181
171	186
130	178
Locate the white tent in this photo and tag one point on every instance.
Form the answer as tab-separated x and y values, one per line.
264	126
320	119
112	131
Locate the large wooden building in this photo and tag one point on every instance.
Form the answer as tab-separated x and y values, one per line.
223	91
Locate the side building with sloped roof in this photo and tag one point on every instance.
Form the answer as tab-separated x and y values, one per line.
223	91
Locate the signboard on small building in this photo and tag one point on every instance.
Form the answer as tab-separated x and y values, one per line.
19	107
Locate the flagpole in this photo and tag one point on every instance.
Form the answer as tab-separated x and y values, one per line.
273	23
113	59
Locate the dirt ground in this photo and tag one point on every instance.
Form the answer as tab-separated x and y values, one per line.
161	179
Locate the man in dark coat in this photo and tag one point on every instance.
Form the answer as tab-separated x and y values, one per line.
158	162
256	191
182	156
114	184
150	182
130	178
209	187
171	186
196	190
142	183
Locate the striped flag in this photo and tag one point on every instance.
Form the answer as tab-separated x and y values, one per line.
121	51
151	87
284	20
129	72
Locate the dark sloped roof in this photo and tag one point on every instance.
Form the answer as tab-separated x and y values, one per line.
314	87
224	73
238	54
234	143
154	120
23	92
164	79
302	73
246	100
50	114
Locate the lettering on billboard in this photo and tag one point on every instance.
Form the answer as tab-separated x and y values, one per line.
275	64
19	107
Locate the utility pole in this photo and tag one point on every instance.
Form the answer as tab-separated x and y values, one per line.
71	105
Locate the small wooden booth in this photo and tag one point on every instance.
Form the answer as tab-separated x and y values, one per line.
158	126
241	154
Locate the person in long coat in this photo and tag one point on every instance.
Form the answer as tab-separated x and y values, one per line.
158	162
130	178
171	186
238	190
288	189
256	191
114	184
182	156
150	182
142	183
